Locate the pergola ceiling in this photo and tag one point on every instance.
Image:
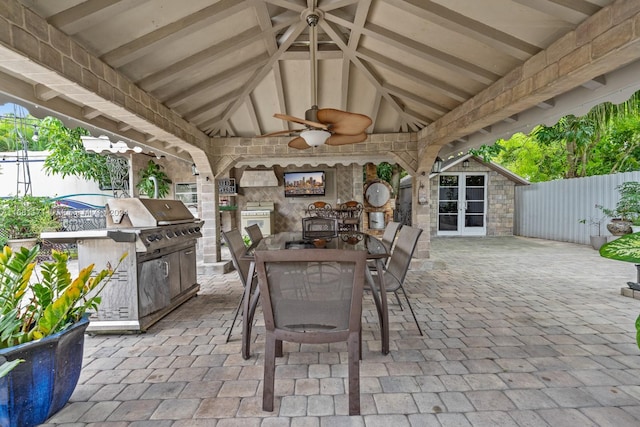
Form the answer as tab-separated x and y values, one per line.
227	66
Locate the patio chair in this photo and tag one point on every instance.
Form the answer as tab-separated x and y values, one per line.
387	239
254	233
396	269
389	235
314	227
350	213
233	239
311	296
321	209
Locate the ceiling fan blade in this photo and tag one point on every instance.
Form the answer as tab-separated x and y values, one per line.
337	139
299	143
300	121
344	122
281	132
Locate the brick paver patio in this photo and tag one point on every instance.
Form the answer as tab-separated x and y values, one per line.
518	332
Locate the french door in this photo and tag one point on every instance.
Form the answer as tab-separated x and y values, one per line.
462	201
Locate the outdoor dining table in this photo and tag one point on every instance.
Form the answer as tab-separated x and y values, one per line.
355	241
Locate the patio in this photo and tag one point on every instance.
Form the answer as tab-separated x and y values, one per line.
518	332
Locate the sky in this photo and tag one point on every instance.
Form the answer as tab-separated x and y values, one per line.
10	108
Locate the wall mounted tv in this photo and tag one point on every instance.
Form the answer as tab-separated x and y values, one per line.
304	184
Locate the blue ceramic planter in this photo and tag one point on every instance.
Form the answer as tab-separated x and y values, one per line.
39	387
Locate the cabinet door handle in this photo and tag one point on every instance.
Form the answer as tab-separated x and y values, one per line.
189	252
166	268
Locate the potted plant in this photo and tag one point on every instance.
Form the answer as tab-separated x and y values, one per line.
626	248
151	177
597	240
42	328
23	219
627	209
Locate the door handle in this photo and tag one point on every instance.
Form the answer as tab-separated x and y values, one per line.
166	268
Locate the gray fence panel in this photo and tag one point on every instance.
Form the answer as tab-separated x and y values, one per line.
552	210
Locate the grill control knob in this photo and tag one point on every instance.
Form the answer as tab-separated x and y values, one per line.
170	234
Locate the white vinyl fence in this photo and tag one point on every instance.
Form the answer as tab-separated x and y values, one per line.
553	210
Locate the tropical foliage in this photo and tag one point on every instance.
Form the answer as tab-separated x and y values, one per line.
25	217
628	206
31	311
625	248
67	155
18	133
605	140
146	186
391	173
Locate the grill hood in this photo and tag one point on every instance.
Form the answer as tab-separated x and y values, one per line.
135	212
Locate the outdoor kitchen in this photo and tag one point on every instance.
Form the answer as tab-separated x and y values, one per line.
159	272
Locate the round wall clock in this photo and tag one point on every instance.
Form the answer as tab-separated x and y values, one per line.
377	194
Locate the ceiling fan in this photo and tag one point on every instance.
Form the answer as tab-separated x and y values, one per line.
323	125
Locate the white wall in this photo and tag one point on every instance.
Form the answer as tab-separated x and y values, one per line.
46	185
552	210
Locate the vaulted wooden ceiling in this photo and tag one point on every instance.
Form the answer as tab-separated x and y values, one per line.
228	65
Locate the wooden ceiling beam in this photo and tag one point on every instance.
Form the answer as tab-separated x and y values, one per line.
289	37
457	22
584	7
217	80
415	75
364	68
192	115
288	5
359	20
140	46
415	98
220	50
405	44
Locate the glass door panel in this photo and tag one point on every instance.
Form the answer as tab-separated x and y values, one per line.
448	204
462	204
474	217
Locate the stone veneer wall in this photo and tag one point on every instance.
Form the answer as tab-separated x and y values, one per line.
500	200
178	171
343	184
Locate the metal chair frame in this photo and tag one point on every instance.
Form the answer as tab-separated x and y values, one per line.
300	277
234	240
397	267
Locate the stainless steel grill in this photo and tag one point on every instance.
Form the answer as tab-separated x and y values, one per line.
160	272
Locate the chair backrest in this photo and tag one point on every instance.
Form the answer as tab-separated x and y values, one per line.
314	227
254	233
401	255
389	234
353	208
234	240
313	295
319	208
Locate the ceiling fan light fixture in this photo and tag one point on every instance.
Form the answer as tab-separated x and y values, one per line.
315	137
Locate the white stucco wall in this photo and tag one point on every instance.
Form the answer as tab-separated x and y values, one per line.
46	185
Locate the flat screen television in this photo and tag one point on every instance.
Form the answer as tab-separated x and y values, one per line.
304	184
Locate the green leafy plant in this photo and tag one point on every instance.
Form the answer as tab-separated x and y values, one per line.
625	248
596	223
628	206
26	217
67	156
31	311
146	185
